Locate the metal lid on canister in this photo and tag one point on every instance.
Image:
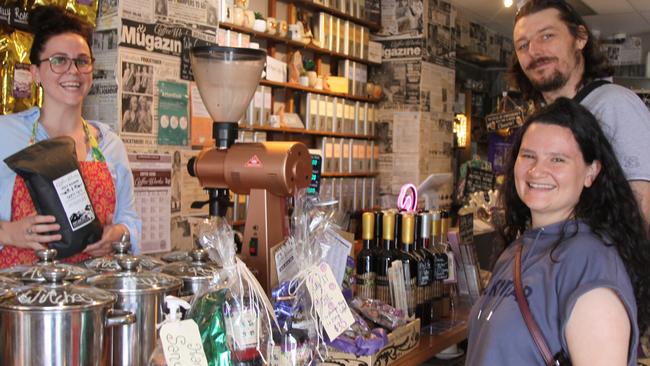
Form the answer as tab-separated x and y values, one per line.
33	273
131	280
198	268
55	294
121	249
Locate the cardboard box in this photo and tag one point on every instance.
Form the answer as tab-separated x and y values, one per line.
338	84
400	342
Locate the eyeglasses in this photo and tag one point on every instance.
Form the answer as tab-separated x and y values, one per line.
60	64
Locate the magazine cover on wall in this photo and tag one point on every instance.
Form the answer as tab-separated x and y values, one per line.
478	38
441	28
401	18
137	113
400	82
173	114
399	75
137	78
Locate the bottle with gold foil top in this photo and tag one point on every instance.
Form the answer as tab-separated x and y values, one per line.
425	261
409	261
384	259
442	263
437	286
365	259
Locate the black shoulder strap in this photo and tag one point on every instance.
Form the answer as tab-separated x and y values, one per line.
582	93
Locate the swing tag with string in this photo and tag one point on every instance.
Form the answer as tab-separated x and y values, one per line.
180	339
328	301
451	266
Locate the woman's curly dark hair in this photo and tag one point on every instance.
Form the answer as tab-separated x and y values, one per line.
609	206
596	63
48	21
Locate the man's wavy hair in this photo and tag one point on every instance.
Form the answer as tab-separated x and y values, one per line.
596	63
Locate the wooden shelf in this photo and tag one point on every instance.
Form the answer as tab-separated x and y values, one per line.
348	175
295	44
320	7
317	91
306	132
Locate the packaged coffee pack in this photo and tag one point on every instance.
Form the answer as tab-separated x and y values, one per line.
51	173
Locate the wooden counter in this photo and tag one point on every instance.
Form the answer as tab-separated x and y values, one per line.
430	345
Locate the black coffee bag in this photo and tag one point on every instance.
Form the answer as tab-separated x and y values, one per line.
51	172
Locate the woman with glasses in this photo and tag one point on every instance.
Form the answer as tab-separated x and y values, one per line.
62	66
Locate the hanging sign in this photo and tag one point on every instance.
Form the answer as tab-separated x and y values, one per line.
499	121
478	180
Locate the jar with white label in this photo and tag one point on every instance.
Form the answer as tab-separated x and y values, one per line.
242	331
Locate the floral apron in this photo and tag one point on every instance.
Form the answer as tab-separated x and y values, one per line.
100	187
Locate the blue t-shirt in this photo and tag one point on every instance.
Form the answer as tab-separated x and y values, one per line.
16	129
497	332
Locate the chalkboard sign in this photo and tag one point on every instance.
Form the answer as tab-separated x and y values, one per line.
190	40
498	121
466	228
478	180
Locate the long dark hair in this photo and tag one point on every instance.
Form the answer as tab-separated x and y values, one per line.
596	64
609	206
48	21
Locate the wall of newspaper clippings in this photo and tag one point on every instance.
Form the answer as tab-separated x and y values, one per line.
142	88
418	80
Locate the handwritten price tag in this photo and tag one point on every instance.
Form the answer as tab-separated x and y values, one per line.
334	313
182	344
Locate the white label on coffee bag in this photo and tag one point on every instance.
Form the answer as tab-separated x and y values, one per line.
182	344
74	198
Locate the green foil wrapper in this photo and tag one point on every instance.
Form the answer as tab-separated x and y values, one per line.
207	313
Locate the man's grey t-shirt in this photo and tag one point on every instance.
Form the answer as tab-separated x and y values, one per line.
626	123
497	331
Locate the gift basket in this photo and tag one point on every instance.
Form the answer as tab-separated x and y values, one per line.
235	318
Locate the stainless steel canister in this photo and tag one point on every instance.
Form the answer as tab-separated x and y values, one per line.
195	275
121	249
142	293
33	273
57	323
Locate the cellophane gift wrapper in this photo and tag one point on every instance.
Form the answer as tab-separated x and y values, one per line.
360	339
293	304
246	314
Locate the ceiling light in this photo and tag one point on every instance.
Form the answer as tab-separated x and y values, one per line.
507	3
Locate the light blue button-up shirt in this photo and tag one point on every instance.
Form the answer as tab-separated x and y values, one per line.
15	131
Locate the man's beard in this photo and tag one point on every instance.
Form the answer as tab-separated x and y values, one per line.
557	79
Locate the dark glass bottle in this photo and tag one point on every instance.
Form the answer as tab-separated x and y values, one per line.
436	283
409	261
395	249
425	261
376	247
384	259
442	263
365	259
